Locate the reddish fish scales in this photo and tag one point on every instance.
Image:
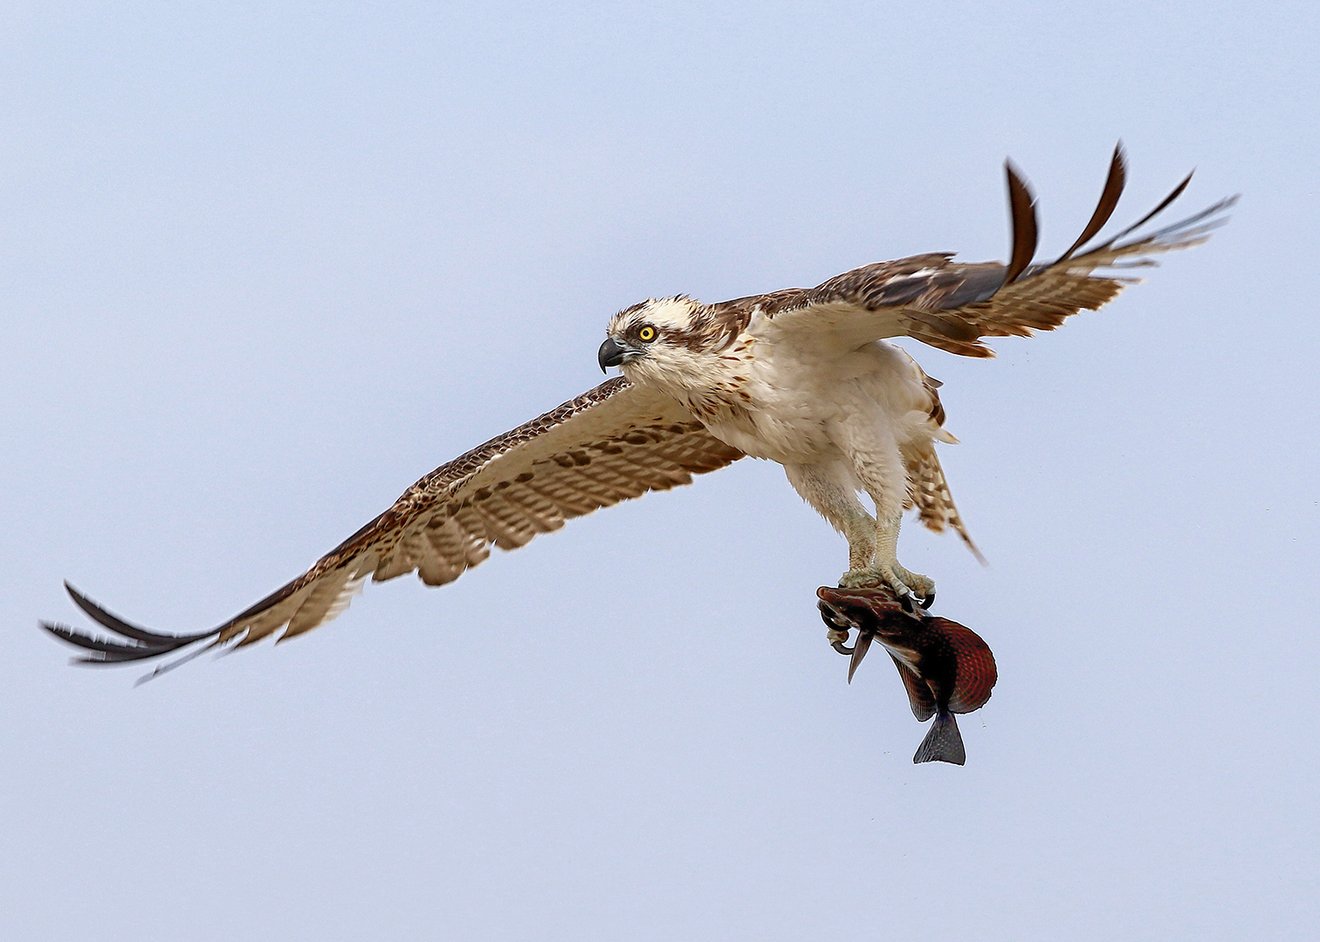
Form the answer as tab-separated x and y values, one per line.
974	672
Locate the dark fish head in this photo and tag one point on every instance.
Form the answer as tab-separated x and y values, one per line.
877	615
871	611
863	609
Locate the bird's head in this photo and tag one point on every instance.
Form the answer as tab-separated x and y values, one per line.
663	341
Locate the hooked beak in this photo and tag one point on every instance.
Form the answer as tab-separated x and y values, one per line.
611	353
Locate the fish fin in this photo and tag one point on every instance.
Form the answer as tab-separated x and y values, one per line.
860	647
943	743
919	695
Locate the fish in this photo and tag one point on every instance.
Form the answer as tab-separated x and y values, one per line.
946	668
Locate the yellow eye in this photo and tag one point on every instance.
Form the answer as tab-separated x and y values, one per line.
646	334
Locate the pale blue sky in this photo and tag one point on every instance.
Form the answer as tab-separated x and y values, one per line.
264	265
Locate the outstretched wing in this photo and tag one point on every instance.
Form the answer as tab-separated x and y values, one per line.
615	442
953	306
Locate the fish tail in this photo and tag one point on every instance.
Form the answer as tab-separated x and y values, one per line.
943	743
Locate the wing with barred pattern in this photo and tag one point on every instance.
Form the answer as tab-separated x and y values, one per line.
613	443
953	306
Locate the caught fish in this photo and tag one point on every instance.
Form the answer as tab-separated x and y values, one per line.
946	667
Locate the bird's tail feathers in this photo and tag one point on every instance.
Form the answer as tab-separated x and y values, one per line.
928	492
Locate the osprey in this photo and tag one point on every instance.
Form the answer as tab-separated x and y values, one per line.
800	376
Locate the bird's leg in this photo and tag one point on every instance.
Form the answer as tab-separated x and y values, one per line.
830	490
902	580
859	529
872	553
879	476
878	464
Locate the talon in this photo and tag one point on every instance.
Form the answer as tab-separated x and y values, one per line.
862	579
833	620
920	585
907	586
836	628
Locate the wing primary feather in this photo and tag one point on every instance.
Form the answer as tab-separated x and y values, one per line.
141	643
116	624
106	647
1195	227
1022	208
1104	210
108	651
1163	205
177	662
124	657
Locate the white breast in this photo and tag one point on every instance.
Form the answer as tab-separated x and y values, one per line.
796	405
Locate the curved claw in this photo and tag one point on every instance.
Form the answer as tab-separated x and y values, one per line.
838	628
928	601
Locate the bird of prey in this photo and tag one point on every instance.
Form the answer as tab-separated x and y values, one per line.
800	376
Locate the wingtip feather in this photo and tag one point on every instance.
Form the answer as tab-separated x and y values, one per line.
1115	182
1025	229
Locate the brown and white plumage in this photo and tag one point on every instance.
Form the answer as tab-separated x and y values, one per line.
801	376
804	377
612	443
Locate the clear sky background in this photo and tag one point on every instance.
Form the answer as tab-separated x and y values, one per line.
262	266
